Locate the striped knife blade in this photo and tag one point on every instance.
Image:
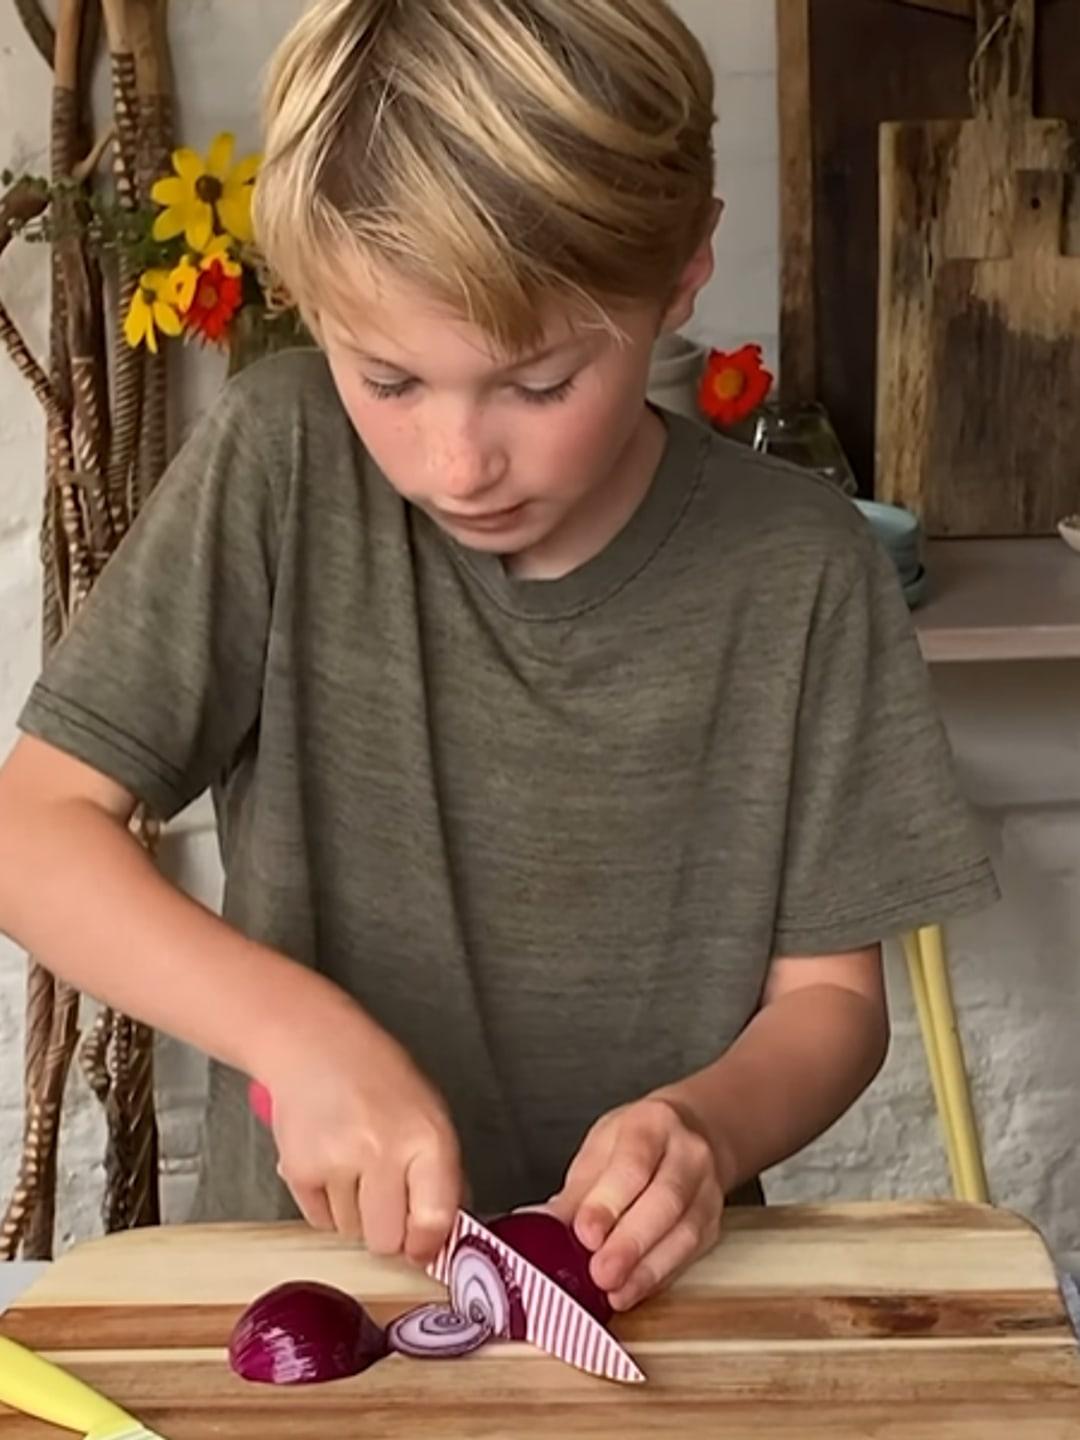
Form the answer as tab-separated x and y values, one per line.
554	1321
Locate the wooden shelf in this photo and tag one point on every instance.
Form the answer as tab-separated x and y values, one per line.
989	600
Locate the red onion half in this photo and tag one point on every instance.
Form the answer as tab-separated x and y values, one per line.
302	1333
436	1332
481	1289
543	1240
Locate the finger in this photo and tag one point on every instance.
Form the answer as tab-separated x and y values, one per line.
313	1204
435	1186
592	1158
587	1167
343	1194
563	1205
383	1202
656	1212
635	1156
696	1232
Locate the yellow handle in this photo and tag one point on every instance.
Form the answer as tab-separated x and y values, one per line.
37	1387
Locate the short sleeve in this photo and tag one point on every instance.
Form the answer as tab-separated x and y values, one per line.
879	838
157	683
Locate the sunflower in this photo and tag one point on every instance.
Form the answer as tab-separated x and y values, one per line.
206	196
151	310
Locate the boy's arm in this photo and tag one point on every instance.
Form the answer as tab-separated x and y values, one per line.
646	1190
79	892
817	1042
878	841
159	685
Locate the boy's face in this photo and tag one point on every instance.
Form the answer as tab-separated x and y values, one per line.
540	461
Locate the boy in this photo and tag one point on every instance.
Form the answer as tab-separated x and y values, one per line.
571	762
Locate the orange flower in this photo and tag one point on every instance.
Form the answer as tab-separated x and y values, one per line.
216	300
734	384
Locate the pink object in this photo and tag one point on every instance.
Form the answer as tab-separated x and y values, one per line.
261	1104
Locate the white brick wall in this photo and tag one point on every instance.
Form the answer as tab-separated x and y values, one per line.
1017	971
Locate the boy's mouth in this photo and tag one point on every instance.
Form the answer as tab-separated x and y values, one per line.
487	520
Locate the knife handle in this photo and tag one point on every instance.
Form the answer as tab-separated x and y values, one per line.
35	1386
261	1103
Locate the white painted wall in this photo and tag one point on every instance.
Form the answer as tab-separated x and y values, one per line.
1015	729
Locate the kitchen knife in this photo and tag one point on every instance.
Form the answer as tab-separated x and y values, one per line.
38	1387
554	1321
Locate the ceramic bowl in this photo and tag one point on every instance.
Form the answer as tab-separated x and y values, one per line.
1069	530
899	532
896	525
675	373
915	589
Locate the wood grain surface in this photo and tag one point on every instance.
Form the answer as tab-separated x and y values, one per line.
848	67
962	8
978	429
898	1322
798	381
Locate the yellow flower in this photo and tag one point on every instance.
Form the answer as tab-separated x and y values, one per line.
184	278
206	193
150	311
221	248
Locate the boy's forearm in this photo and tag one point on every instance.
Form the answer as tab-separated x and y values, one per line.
800	1064
81	895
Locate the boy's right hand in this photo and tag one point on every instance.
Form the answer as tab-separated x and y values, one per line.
368	1150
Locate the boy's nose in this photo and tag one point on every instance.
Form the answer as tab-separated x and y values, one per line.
470	471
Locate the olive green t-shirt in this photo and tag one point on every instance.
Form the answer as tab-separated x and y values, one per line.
548	833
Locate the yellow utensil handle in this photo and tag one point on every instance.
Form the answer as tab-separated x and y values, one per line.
37	1387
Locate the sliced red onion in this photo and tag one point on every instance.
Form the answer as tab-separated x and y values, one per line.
552	1246
302	1333
436	1332
482	1289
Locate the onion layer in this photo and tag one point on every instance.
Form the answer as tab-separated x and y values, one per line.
543	1240
303	1333
436	1332
483	1291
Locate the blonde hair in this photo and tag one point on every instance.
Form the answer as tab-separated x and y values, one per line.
493	153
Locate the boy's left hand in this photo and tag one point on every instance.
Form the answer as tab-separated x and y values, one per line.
645	1194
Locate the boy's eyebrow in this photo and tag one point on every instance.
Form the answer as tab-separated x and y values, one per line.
572	342
374	359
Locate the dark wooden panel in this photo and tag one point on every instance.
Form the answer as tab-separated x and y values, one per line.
871	61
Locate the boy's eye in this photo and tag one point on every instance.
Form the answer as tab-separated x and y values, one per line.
388	389
548	395
532	395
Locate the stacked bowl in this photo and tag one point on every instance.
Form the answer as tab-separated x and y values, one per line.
900	533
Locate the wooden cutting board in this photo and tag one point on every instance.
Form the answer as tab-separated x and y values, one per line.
978	425
900	1322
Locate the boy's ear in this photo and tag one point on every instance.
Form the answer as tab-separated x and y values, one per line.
697	272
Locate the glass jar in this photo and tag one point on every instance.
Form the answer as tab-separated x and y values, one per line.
803	434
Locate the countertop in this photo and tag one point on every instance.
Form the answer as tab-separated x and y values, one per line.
1012	599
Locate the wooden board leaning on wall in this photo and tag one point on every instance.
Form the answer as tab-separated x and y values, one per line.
845	68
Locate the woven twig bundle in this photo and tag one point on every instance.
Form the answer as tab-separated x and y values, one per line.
106	448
